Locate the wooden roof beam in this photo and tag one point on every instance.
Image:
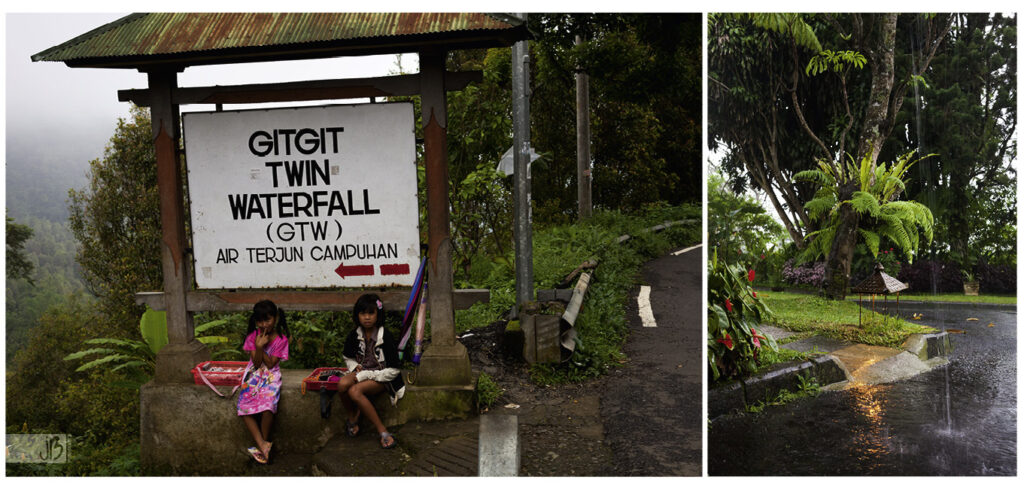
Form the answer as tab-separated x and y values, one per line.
387	86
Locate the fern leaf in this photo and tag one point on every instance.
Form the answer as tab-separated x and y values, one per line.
872	240
864	203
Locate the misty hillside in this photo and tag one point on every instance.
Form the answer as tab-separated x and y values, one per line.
38	176
40	172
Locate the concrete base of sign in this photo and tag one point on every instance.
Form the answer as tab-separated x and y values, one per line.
443	365
175	361
188	430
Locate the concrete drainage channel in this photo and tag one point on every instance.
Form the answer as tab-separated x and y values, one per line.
842	365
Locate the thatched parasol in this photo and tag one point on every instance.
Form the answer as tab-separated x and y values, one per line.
879	283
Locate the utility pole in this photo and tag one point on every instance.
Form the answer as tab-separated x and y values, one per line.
583	141
521	158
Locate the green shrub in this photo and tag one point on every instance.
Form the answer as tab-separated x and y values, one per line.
734	314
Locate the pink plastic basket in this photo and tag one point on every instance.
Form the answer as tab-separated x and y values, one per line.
219	373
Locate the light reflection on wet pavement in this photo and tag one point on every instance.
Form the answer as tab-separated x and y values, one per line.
959	419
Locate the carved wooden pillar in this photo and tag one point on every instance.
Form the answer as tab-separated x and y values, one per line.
182	351
445	361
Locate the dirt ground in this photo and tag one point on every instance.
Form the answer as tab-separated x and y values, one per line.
560	427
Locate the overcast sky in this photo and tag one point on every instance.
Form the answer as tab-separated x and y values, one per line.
73	111
44	91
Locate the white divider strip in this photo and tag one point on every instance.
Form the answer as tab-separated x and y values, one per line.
644	302
680	252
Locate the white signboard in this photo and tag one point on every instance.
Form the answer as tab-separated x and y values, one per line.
303	197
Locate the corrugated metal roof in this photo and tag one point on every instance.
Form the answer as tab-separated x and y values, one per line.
160	34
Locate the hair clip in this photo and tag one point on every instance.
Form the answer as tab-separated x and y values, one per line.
380	305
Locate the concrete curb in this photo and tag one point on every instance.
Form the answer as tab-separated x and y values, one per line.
928	346
736	395
827	369
499	445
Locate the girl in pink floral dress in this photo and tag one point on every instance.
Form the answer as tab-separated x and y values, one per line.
267	343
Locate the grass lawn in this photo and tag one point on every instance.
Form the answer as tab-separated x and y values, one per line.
769	359
983	299
838	319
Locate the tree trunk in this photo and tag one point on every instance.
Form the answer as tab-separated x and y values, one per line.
840	256
881	56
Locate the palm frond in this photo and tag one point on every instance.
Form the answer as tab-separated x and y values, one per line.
91	351
212	324
101	361
212	340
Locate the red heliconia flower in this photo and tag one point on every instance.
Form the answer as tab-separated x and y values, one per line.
750	276
728	305
753	332
754	292
890	249
762	256
727	341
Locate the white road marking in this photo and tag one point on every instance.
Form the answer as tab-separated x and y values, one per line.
644	301
680	252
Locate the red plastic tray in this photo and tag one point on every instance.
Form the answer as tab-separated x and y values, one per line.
220	373
311	383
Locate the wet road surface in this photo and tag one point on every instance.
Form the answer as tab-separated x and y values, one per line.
959	419
652	407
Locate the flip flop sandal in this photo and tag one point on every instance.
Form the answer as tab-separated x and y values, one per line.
352	428
383	444
257	455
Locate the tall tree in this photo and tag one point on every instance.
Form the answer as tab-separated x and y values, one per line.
18	265
116	221
751	62
966	114
645	104
860	115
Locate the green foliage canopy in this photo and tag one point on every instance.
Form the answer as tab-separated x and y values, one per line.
115	219
18	265
881	215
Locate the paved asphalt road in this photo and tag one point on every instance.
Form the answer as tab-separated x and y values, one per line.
652	408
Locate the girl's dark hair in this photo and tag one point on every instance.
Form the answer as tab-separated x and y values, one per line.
266	309
366	303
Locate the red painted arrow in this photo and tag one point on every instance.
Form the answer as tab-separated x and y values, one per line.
353	270
396	269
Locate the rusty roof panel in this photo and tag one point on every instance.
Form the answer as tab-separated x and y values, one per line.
154	34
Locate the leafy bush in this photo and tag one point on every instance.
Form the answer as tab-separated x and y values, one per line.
947	277
739	225
812	274
997	279
864	263
923	275
734	314
557	251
